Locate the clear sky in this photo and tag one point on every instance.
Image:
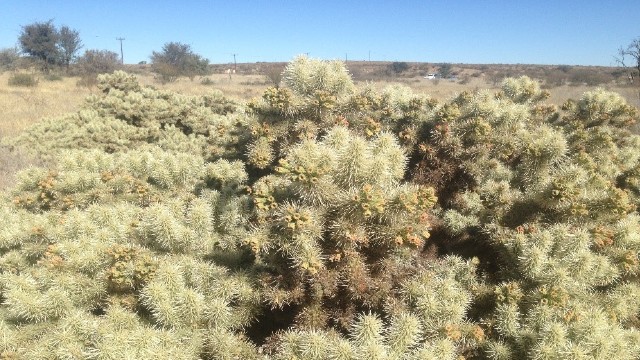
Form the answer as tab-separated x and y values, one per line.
573	32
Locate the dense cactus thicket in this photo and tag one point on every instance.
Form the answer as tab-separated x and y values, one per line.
325	221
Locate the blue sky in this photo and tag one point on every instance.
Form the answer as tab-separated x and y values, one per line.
573	32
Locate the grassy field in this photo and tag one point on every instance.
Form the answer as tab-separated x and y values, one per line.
21	107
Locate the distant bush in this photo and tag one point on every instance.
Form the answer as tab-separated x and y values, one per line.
9	58
22	79
95	62
207	81
586	76
98	62
274	74
399	67
555	77
176	60
445	70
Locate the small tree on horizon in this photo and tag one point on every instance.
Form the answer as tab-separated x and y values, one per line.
445	70
177	59
274	74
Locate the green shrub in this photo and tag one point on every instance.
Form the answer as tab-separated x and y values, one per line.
207	81
93	63
176	60
399	67
9	59
22	80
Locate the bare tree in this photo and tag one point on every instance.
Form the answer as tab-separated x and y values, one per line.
632	52
274	73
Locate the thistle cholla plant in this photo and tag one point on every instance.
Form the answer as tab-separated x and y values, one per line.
325	221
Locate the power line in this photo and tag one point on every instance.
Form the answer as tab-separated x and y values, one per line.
121	53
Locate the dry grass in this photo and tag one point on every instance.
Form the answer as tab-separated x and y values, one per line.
439	89
240	87
20	107
445	89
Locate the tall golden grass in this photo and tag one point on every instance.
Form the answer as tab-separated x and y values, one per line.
22	106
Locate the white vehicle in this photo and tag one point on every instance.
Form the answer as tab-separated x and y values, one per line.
431	76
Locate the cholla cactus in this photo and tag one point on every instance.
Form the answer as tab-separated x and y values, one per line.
545	194
119	80
127	116
427	323
308	77
320	95
523	90
336	224
91	248
322	222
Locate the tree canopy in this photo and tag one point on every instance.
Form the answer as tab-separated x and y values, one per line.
51	46
177	59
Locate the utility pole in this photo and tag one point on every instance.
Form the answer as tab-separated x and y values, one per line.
345	58
234	63
369	55
121	53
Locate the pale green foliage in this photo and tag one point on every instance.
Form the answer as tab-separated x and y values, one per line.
317	100
346	173
100	238
440	296
189	293
306	76
601	107
128	116
325	222
368	340
523	90
544	191
119	80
